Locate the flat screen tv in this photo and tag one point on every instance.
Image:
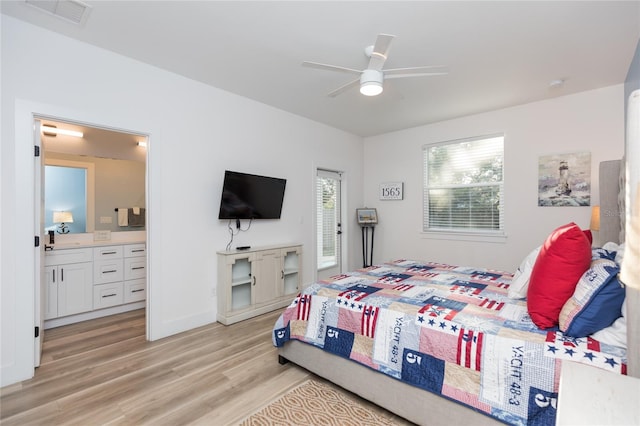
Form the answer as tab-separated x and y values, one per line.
246	196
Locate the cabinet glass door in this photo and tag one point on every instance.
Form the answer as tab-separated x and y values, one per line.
291	272
240	296
241	281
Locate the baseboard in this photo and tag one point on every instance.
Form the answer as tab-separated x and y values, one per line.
71	319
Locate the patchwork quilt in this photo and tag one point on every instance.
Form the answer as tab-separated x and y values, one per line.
447	329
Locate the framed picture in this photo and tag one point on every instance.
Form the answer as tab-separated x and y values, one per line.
391	191
367	216
564	180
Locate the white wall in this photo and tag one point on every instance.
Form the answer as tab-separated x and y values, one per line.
195	133
589	121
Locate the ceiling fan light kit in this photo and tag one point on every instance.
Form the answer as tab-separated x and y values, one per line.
371	82
373	76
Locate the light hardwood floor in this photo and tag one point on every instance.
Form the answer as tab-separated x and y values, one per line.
104	371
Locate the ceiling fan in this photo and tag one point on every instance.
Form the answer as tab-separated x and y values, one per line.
371	78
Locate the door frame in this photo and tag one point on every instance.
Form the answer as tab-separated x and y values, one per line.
341	218
28	283
90	184
39	263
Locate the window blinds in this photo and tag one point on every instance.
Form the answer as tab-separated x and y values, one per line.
463	187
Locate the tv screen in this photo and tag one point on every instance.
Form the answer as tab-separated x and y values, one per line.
246	196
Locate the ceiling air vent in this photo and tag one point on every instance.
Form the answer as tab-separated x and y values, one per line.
69	10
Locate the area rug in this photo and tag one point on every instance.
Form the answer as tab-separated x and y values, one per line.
316	403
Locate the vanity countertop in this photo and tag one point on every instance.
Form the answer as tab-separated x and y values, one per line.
83	244
96	239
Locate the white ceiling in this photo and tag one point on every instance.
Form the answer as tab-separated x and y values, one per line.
499	54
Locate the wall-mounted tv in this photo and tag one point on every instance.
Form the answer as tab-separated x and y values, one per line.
246	196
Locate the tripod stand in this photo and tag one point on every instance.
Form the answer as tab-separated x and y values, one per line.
367	248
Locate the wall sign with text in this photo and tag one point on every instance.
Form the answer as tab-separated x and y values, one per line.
391	191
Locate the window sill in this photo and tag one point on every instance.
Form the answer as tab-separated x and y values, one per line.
327	266
498	238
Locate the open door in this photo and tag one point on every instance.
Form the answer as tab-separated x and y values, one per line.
39	255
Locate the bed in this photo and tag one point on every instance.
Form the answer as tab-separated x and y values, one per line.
446	329
438	343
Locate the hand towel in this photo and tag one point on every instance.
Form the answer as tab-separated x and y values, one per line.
136	219
136	210
123	216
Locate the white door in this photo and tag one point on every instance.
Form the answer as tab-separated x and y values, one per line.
40	281
328	223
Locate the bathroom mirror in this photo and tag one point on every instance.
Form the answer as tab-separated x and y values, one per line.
90	177
69	196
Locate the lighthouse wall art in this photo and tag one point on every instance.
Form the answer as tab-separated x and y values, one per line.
564	179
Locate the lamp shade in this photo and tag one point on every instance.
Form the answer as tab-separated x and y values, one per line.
595	218
62	217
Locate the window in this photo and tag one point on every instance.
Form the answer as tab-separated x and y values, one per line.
463	186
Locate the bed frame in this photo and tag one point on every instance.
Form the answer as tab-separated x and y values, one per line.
418	406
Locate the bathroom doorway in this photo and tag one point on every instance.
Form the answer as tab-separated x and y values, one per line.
86	178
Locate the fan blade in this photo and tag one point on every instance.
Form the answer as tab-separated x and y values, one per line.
344	88
330	67
415	71
415	74
380	51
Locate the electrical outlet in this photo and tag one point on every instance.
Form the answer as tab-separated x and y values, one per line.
101	235
106	219
213	292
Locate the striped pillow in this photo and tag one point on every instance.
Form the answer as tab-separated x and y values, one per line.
596	302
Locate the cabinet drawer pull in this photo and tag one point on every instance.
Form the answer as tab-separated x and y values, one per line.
137	267
61	274
109	295
138	290
110	271
137	250
54	276
108	252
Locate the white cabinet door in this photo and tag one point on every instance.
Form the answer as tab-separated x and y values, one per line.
268	275
291	271
51	276
241	277
75	288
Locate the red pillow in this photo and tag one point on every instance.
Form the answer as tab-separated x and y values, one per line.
564	257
